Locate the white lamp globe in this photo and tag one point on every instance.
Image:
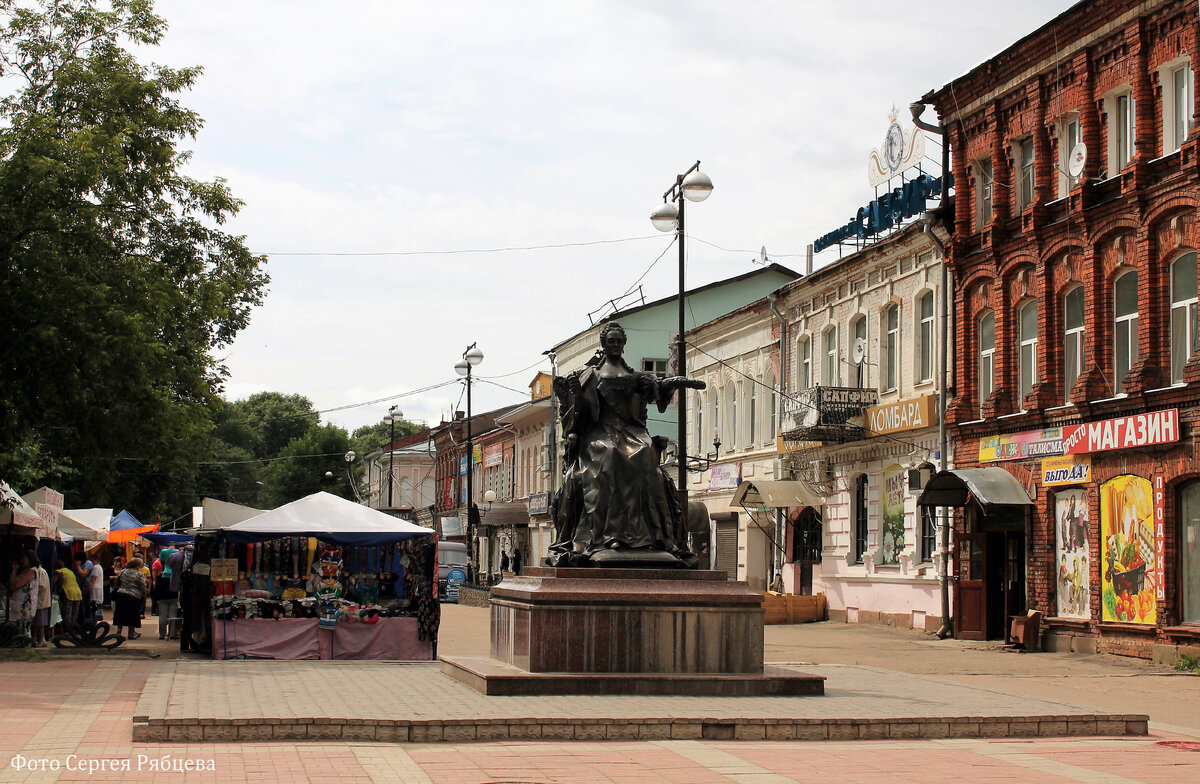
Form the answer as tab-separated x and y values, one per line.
697	186
461	367
474	356
664	216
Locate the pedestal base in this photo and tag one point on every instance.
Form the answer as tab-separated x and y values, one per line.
626	631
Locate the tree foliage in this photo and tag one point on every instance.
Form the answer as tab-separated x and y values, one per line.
312	463
119	280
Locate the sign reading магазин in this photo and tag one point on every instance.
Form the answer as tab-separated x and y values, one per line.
1128	432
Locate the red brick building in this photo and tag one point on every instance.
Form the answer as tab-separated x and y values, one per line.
1075	316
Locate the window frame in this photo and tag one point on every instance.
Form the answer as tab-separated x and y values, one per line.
1078	334
925	333
752	413
1121	109
1126	323
862	530
985	193
891	347
830	372
804	375
1026	345
1191	318
654	365
1070	132
859	328
1025	157
1177	82
986	357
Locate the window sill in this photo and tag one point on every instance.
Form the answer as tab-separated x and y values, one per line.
927	382
1063	407
1010	416
1179	385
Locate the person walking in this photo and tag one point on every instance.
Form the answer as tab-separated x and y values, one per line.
145	570
69	595
41	621
96	586
22	592
165	600
128	598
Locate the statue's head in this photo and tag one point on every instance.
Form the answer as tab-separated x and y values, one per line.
612	339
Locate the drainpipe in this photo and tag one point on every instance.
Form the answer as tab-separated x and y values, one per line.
777	556
915	109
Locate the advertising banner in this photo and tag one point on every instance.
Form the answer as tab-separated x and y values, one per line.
1155	427
892	492
1018	446
902	415
493	455
1071	553
462	465
539	504
1066	470
725	476
1127	575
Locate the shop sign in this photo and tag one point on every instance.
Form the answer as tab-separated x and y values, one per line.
1160	537
462	465
1066	470
477	453
539	503
1155	427
1071	551
902	415
223	570
1018	446
493	455
725	476
1129	581
454	578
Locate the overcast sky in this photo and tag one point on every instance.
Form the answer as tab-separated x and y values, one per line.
421	128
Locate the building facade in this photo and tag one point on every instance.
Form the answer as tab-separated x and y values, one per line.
405	469
1074	255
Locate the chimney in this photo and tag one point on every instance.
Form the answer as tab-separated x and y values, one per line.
460	414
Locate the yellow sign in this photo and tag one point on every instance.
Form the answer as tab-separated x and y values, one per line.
1066	470
910	414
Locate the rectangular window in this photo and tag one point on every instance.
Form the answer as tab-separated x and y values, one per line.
987	358
1184	335
805	365
1067	139
860	518
655	366
1027	357
1073	339
1124	126
753	413
1181	105
892	347
1125	328
926	345
860	358
928	533
831	358
983	193
1024	149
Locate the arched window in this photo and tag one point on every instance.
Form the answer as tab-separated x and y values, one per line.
1027	349
860	338
891	347
698	436
716	414
830	375
925	336
1125	329
987	357
732	425
1184	333
804	377
1073	334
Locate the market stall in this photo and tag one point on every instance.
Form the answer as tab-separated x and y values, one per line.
321	577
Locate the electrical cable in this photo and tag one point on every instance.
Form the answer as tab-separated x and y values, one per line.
460	250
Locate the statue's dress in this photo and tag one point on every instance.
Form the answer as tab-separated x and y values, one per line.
614	496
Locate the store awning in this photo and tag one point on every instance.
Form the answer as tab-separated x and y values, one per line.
775	494
503	514
988	487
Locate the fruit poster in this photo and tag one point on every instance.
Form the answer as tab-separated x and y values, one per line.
1071	553
1127	575
895	484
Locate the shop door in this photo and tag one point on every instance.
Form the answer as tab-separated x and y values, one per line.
970	595
727	540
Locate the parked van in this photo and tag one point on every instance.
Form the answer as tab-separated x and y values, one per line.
452	569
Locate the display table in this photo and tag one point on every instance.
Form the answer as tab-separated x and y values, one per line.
302	638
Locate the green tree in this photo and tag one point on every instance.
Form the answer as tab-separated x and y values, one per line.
369	437
309	464
266	422
118	279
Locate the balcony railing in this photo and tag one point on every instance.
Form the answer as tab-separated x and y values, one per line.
824	414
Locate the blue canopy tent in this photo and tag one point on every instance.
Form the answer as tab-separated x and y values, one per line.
168	537
125	528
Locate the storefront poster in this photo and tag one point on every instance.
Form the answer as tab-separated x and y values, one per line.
893	491
1071	554
1127	574
1066	470
493	455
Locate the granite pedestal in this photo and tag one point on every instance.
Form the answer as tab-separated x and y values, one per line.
626	631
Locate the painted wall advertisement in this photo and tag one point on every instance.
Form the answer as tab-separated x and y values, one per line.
1128	579
893	491
1071	553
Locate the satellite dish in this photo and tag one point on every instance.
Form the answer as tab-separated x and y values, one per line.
860	351
1076	159
762	257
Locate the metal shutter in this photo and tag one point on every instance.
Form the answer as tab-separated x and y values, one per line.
727	541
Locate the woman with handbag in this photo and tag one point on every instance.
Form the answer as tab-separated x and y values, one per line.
128	598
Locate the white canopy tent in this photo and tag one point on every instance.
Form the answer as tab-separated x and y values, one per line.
219	514
90	525
327	517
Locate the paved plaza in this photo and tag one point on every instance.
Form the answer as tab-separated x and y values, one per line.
70	718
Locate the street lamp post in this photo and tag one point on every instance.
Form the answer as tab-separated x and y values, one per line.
471	357
392	416
692	185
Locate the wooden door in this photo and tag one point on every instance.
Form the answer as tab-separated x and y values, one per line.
970	595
